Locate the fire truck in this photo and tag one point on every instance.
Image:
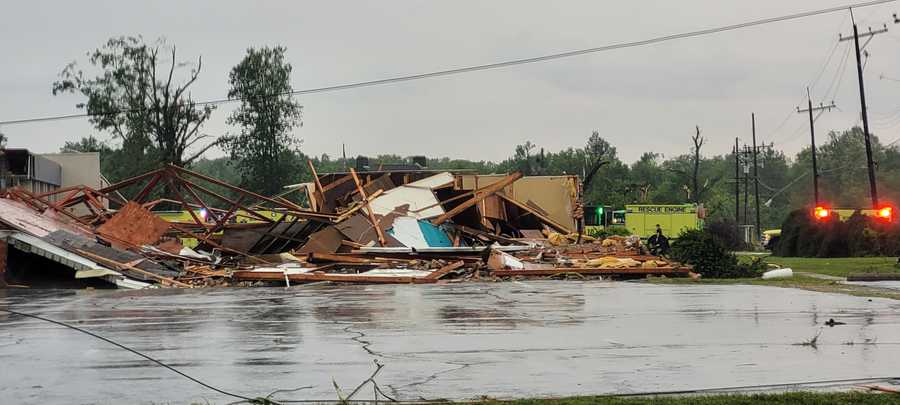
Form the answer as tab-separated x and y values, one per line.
642	219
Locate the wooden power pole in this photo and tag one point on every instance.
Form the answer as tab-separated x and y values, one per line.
873	189
755	176
812	139
737	187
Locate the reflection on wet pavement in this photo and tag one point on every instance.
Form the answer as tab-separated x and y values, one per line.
438	341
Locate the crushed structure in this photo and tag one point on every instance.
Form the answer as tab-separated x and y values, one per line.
408	225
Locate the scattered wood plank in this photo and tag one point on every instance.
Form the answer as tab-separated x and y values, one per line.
318	257
358	206
319	194
338	278
488	235
443	271
119	266
365	201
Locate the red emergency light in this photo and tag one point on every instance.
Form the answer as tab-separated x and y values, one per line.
885	213
822	213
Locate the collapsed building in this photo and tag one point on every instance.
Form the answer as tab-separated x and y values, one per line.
387	225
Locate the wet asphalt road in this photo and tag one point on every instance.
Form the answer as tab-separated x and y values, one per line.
436	341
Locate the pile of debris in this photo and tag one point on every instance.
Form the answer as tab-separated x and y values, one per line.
406	226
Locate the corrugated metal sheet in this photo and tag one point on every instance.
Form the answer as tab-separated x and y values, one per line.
19	216
38	246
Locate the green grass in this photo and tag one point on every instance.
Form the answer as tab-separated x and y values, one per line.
801	398
801	282
793	398
839	267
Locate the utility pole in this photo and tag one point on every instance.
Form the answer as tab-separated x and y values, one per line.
755	176
737	187
746	152
812	137
862	102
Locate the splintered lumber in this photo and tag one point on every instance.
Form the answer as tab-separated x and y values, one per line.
352	244
488	235
128	266
443	271
479	194
351	211
333	277
345	258
365	201
658	271
335	183
319	194
317	257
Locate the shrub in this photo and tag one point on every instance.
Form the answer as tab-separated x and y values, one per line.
709	256
725	231
859	235
799	236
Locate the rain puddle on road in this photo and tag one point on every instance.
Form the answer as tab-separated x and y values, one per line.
454	341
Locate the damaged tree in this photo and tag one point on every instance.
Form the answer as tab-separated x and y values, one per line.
137	97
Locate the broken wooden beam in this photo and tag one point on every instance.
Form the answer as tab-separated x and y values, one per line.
333	277
319	193
443	271
543	218
479	194
365	202
316	257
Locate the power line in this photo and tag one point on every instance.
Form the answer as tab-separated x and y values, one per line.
121	346
497	65
812	85
827	62
839	76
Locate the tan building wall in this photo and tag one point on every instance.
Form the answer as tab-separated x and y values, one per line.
79	169
554	194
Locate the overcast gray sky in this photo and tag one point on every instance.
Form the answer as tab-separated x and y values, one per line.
640	99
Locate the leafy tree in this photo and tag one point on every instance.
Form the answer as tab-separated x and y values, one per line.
264	150
647	175
526	161
2	140
598	152
136	98
606	177
86	144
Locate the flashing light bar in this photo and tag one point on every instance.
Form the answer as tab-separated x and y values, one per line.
886	213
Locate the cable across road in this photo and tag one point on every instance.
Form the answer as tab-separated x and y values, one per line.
268	401
503	64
